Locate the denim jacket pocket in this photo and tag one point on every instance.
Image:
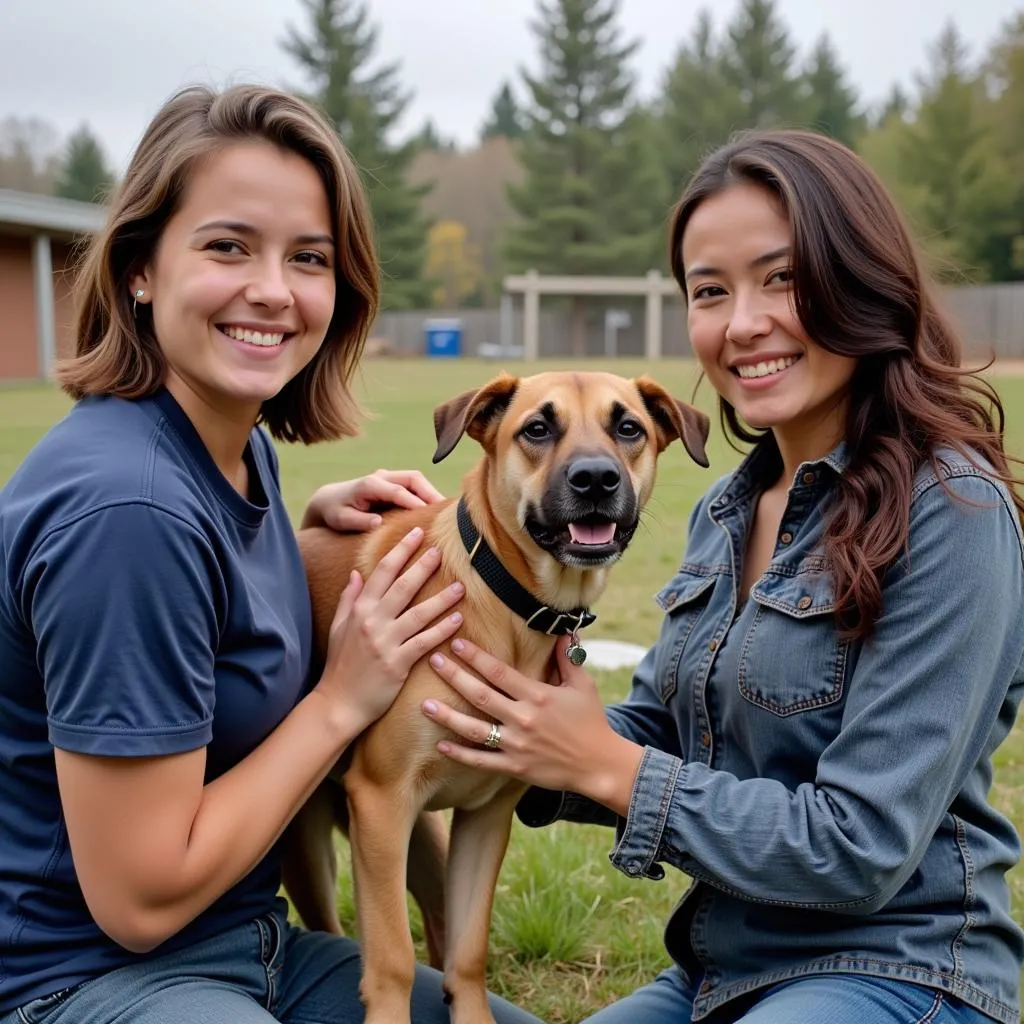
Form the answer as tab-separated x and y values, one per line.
792	658
683	600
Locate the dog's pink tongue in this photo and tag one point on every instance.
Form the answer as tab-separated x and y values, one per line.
584	533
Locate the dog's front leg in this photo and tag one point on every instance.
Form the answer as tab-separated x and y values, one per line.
428	855
381	821
477	848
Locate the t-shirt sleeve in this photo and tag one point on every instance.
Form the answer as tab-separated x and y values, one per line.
124	604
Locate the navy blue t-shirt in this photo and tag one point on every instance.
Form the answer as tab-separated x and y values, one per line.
146	608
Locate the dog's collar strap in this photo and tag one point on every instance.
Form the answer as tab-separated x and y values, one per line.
505	586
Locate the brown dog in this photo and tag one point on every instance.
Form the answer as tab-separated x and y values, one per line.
569	462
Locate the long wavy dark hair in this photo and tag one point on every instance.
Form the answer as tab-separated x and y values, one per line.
861	290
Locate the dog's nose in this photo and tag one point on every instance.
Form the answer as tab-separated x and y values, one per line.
594	477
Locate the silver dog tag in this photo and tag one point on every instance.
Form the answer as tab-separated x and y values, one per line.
576	654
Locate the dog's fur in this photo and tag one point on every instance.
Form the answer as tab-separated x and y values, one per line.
395	781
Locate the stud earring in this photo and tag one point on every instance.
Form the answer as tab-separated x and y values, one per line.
135	301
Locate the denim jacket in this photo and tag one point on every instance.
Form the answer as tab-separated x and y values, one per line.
828	797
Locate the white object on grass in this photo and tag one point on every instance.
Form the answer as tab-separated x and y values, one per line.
611	654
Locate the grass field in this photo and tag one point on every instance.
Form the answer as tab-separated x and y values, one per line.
570	933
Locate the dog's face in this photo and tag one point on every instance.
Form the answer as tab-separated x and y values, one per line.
571	456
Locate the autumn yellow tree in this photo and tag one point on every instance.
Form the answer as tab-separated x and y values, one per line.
453	264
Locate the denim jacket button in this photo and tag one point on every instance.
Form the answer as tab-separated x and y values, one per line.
705	739
633	868
713	646
804	603
705	988
809	478
786	537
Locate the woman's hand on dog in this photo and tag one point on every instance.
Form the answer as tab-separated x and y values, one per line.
555	736
349	505
376	637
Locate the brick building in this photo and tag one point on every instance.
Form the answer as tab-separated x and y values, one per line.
38	235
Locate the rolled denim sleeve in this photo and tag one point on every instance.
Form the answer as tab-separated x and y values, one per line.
926	702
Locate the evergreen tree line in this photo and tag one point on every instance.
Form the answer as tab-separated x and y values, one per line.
601	168
953	153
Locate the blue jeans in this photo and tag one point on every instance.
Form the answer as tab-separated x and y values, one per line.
831	999
258	973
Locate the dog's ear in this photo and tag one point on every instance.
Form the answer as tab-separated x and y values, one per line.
473	412
674	418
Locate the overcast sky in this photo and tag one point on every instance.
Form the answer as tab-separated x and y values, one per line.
113	62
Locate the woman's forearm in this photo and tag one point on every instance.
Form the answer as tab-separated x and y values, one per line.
154	847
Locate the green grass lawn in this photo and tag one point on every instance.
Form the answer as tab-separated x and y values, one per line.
570	933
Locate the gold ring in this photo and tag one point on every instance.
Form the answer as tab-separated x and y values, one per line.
493	741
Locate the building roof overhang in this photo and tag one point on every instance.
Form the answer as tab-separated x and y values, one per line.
28	211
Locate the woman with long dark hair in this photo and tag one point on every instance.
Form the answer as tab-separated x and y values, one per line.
811	737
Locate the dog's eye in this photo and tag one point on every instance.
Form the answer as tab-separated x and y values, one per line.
630	430
537	430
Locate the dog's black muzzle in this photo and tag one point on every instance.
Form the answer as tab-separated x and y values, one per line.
588	514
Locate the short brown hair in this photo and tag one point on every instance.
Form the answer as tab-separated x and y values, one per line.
117	354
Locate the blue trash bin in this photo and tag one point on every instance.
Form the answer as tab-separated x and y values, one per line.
444	338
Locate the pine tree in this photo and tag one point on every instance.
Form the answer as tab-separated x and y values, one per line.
955	161
882	148
430	138
698	109
831	102
335	53
896	104
945	152
590	201
84	174
505	118
637	197
759	59
1004	74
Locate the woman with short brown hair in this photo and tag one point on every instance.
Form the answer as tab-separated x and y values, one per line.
160	718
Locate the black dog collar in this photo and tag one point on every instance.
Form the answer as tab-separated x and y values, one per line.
510	591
